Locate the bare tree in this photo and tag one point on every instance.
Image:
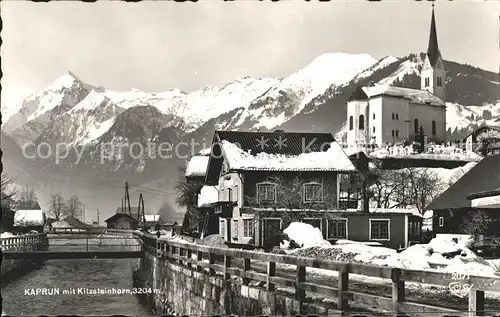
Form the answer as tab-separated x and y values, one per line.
290	204
406	188
477	224
74	207
57	206
27	199
8	204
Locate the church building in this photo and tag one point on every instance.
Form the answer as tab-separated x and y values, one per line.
384	114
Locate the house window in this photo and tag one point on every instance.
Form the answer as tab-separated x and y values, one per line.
397	133
415	125
337	229
374	116
373	129
222	228
379	229
439	82
234	230
441	221
236	194
427	82
315	222
351	123
313	192
433	127
392	133
248	228
361	122
266	192
229	194
397	116
393	116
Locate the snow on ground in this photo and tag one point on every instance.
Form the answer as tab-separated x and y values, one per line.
306	235
4	235
24	218
61	224
334	159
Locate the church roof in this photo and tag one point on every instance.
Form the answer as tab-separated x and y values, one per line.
433	49
414	95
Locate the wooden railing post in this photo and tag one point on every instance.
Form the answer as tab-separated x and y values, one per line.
398	290
199	259
300	294
211	261
227	264
476	302
246	267
271	271
189	255
342	287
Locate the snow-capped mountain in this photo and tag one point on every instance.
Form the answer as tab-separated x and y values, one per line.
314	98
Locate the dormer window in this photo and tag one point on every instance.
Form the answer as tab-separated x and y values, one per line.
266	192
313	192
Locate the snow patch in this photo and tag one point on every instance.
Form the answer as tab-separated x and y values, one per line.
26	218
305	235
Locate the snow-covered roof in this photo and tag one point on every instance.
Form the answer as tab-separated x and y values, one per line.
414	95
208	195
152	218
25	218
197	166
333	159
412	211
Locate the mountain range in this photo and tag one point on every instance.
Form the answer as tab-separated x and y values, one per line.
94	122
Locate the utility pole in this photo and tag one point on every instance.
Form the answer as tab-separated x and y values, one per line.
83	213
127	197
97	216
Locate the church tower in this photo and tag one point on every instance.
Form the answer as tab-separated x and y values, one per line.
433	75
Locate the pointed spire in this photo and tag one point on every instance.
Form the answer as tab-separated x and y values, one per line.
433	49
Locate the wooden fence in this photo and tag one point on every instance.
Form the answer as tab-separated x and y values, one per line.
24	242
193	256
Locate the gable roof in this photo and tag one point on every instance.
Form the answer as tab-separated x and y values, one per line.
484	177
134	211
76	223
417	96
275	151
494	192
116	216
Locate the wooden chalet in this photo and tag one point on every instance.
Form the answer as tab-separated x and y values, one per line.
123	220
478	190
472	143
251	208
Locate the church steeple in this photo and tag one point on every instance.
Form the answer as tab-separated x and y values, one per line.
433	49
433	75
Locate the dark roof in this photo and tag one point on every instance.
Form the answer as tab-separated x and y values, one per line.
116	216
494	192
295	142
134	211
484	177
76	223
433	49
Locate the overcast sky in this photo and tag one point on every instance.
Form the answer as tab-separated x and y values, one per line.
154	46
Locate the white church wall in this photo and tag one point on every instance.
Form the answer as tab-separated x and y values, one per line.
355	108
425	115
399	108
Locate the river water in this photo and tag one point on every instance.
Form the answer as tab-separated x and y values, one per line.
111	275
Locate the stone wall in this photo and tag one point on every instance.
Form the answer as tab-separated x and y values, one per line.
187	292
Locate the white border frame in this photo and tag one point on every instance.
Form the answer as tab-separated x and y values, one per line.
346	228
265	183
388	229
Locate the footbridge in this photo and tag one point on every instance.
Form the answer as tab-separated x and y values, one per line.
72	243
